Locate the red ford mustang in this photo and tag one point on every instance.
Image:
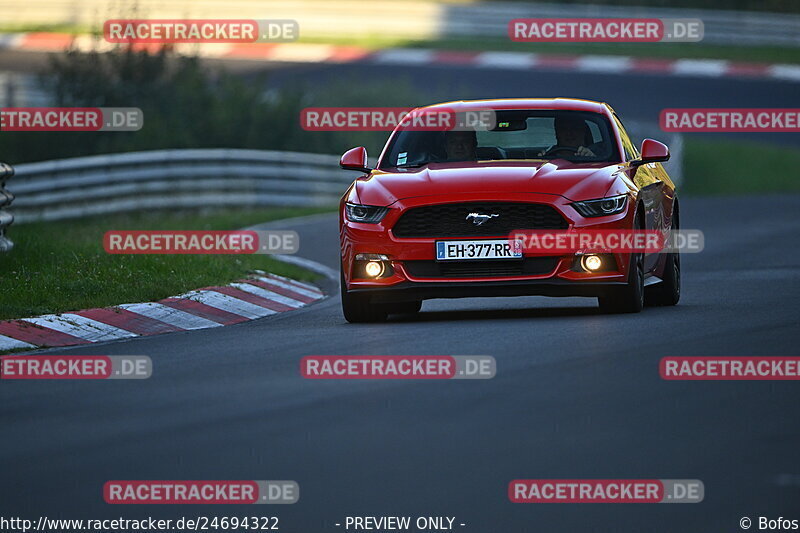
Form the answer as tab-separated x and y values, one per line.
433	219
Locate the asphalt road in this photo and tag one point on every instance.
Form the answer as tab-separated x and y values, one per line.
577	395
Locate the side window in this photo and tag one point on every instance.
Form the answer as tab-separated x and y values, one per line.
630	150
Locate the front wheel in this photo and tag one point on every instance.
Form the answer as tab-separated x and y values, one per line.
630	297
357	308
668	292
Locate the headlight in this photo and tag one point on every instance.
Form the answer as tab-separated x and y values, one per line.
369	214
602	206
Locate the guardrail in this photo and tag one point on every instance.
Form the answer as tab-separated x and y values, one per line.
168	179
164	179
6	218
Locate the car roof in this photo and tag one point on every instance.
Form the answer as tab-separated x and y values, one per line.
567	104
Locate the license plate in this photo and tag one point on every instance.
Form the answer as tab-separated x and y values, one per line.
472	250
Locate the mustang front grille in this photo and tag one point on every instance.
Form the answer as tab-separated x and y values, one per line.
498	219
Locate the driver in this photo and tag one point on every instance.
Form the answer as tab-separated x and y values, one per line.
461	145
571	134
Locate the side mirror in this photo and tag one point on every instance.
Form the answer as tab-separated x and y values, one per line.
652	152
355	159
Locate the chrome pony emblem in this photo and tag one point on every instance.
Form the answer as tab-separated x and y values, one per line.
479	218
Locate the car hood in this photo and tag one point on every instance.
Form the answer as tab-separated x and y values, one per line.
574	181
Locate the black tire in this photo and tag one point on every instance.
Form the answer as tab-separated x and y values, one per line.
630	297
358	309
668	292
407	308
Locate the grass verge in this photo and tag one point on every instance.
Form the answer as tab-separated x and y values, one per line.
61	266
738	167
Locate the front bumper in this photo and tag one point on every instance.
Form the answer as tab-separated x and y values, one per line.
410	291
408	280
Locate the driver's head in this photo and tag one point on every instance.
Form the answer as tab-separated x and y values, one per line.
570	131
460	145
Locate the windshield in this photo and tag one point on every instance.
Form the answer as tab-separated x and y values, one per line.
516	134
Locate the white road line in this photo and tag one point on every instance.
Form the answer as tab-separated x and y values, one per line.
603	63
298	290
87	43
174	317
7	343
205	49
81	327
785	72
404	56
699	67
301	53
521	60
11	40
269	295
228	303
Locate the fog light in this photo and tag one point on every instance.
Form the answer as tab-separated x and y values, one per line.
591	262
373	269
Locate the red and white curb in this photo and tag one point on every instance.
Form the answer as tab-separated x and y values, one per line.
323	53
248	299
